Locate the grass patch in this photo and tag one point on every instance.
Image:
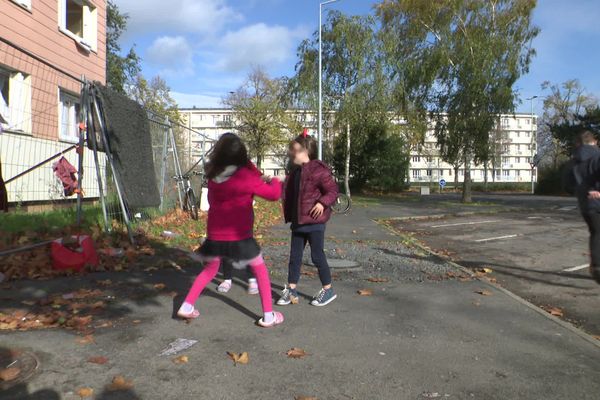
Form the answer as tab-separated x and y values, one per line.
43	222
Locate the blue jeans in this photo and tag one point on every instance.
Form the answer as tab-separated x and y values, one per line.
316	240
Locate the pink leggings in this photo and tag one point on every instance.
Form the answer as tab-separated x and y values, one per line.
259	269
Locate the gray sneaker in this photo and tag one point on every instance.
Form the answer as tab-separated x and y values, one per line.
288	296
324	297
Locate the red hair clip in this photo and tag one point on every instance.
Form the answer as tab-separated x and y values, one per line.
305	132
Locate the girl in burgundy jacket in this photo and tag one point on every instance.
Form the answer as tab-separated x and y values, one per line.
233	183
310	191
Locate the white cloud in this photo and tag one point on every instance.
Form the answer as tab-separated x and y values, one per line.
193	16
171	53
257	44
189	100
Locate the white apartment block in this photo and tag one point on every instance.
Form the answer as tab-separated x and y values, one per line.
213	122
516	146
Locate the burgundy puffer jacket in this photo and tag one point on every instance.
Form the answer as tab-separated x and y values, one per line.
316	186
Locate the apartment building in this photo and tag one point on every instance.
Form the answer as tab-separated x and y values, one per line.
514	139
514	143
46	47
213	122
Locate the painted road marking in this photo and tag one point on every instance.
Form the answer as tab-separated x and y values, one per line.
577	268
465	223
568	208
496	238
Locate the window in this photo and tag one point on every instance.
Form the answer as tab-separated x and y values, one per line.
429	172
68	112
23	3
429	159
518	173
416	159
505	123
15	101
227	118
462	172
416	173
504	160
79	19
527	122
449	172
518	160
506	173
505	148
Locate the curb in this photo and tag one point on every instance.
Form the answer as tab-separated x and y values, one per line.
587	337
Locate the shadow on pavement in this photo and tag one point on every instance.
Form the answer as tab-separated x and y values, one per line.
20	390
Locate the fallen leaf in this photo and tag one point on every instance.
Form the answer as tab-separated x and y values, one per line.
85	392
483	292
597	337
355	231
159	286
98	360
106	282
28	302
88	339
136	321
305	398
181	360
378	280
487	270
295	352
557	312
9	374
241	358
119	383
365	292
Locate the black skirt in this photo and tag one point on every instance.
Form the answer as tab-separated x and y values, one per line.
240	250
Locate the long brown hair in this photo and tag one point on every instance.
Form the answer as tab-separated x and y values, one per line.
229	150
309	144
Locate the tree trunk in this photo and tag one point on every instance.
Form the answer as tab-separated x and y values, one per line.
485	176
259	162
347	164
456	167
466	195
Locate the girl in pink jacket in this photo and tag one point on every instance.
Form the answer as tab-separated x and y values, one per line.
233	181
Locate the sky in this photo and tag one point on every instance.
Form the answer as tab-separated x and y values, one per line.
205	48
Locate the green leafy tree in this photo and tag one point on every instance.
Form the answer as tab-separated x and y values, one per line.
354	87
473	52
566	111
259	114
120	69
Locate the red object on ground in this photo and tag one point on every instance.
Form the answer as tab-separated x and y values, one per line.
64	258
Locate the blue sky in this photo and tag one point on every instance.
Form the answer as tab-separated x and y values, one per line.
205	48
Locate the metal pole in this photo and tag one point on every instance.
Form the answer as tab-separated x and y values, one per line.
81	129
163	168
92	138
114	171
320	131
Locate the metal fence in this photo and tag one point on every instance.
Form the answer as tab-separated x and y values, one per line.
41	112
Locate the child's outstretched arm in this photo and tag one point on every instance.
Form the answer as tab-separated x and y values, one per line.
329	190
267	190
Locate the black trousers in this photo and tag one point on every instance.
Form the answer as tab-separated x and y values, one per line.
316	240
228	270
593	221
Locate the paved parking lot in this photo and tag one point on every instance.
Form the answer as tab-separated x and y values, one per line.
541	255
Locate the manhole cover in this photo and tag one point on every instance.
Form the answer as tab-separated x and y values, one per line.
16	366
335	263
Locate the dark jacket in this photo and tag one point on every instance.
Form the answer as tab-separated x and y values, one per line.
316	186
586	171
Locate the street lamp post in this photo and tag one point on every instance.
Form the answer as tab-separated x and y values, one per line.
533	146
320	131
